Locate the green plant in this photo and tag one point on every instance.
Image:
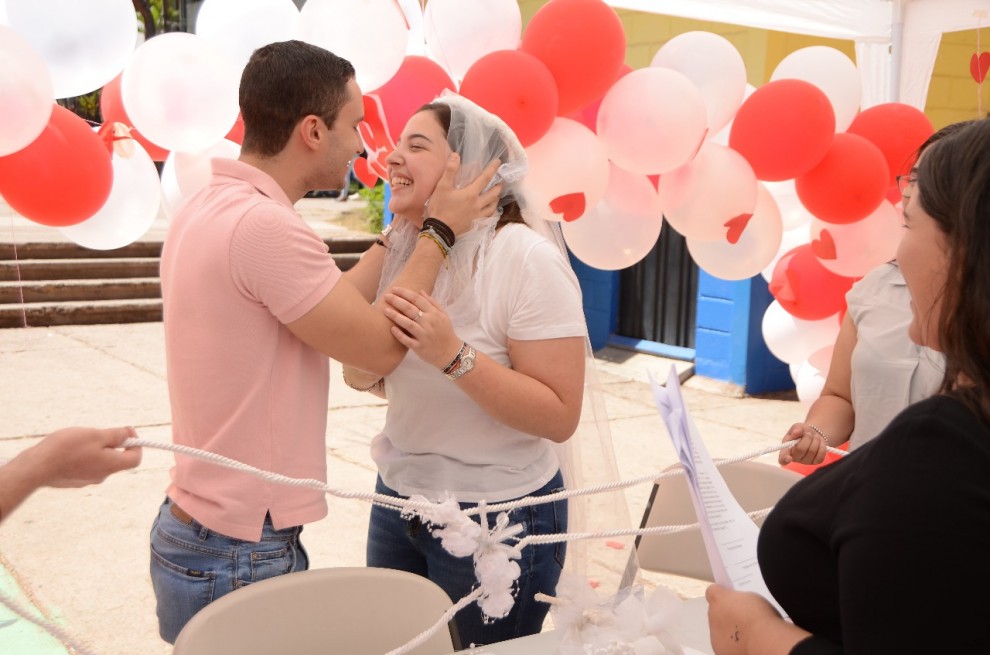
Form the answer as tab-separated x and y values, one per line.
375	209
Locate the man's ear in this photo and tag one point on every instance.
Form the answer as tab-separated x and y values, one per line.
310	132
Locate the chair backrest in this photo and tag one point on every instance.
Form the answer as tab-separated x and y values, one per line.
755	485
352	611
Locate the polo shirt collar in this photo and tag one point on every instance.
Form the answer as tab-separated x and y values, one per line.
262	181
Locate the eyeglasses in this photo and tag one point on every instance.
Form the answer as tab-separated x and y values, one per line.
905	183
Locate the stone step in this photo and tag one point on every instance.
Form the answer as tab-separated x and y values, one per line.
68	250
65	284
87	312
74	269
68	290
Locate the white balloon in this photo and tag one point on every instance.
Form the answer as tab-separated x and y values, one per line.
193	170
180	92
757	244
239	27
722	136
25	92
652	120
792	213
171	195
413	12
793	339
789	240
129	211
460	32
371	34
568	159
832	72
810	376
84	44
854	249
715	187
622	229
716	68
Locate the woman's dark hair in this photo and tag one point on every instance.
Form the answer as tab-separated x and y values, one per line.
511	212
954	189
282	84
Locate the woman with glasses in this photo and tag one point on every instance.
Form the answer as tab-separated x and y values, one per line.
876	370
885	550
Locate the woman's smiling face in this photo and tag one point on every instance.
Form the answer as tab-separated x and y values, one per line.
416	165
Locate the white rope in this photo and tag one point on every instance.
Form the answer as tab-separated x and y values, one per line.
442	622
543	539
391	502
48	626
409	504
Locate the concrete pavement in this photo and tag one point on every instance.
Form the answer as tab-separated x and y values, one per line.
81	556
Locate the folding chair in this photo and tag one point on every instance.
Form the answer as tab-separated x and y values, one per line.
353	611
755	485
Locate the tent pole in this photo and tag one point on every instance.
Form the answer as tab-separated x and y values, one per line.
896	49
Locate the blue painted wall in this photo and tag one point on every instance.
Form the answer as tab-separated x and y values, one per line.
728	339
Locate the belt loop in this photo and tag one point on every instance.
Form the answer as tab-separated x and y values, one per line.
204	532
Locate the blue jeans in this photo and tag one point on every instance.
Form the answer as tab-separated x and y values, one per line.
396	543
192	566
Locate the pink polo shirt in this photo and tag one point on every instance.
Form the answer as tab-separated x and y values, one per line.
238	264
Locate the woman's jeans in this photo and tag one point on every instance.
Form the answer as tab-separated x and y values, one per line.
408	545
192	566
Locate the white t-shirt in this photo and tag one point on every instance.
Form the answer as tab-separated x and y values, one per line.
889	371
436	439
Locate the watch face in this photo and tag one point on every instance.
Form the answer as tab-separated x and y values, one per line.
467	362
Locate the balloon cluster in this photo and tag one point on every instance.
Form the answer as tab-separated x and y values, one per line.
791	179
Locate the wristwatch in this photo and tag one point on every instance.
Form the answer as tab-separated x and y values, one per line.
465	363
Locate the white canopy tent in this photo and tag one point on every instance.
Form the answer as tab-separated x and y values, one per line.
896	40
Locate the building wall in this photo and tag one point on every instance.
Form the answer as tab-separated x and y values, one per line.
954	95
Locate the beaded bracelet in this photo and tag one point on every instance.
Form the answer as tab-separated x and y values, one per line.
820	433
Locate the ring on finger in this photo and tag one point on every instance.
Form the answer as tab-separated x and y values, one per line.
419	315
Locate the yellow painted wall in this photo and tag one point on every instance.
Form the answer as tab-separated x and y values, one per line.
953	95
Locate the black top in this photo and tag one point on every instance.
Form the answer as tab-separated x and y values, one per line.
888	550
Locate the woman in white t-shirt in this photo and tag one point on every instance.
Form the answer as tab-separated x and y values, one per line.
495	371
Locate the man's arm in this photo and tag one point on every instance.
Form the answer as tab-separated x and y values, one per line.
347	328
71	457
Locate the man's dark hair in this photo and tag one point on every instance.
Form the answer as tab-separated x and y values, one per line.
284	82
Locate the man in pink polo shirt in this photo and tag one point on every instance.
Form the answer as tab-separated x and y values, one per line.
253	306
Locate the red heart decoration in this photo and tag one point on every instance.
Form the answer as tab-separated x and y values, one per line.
824	246
363	172
569	206
736	226
785	289
979	64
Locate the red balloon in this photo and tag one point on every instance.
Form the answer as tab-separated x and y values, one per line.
63	177
236	133
516	87
783	129
418	81
112	108
898	130
583	44
848	184
805	288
